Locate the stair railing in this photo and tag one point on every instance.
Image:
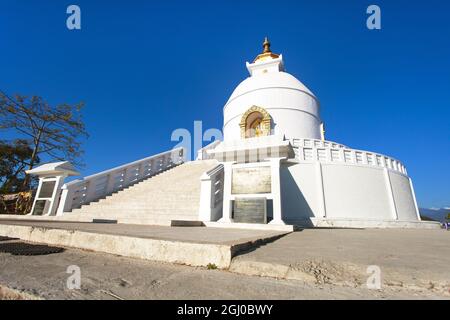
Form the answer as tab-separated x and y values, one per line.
94	187
202	153
211	194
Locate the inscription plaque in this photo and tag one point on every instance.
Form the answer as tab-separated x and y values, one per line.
39	207
251	180
47	189
250	210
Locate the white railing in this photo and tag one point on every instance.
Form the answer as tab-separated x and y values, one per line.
80	192
203	155
348	156
315	143
211	195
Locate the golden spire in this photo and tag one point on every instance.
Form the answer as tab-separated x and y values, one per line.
267	53
266	45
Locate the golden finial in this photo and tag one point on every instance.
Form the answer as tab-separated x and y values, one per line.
267	53
266	45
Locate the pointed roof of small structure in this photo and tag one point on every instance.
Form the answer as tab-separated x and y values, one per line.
54	168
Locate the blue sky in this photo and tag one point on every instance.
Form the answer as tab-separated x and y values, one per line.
145	68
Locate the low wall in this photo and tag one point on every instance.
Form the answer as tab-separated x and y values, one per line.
194	254
342	191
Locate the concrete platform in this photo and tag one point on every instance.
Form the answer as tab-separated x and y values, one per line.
195	246
68	218
364	224
416	259
252	226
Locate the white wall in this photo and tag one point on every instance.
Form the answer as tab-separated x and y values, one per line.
349	192
294	113
403	197
300	198
356	192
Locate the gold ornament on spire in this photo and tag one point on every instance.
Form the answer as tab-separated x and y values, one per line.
266	45
267	53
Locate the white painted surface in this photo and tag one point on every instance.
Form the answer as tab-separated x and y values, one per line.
403	197
94	187
366	223
252	149
211	194
293	107
202	154
269	65
299	191
51	172
349	192
326	180
355	192
62	168
276	191
170	195
226	209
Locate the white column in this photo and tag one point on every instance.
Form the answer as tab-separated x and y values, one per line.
205	197
276	191
55	196
320	189
226	210
65	202
414	198
390	194
38	191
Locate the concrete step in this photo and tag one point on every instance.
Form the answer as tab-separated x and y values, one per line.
190	194
139	205
171	195
128	217
149	201
142	209
156	195
143	214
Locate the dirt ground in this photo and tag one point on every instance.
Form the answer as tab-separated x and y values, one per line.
106	276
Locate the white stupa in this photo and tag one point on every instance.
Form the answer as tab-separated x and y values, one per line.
322	183
273	169
291	106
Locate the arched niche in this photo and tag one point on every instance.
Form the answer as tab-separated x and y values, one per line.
255	122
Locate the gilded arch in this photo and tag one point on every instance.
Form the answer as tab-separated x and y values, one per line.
263	122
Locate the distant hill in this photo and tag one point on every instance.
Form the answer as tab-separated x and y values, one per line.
434	214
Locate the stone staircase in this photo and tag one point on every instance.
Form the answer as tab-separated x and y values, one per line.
171	195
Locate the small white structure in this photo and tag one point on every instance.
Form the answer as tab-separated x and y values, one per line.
51	178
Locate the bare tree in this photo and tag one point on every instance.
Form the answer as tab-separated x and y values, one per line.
15	156
54	132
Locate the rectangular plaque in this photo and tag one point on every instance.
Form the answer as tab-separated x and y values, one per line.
39	207
253	180
250	210
47	189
